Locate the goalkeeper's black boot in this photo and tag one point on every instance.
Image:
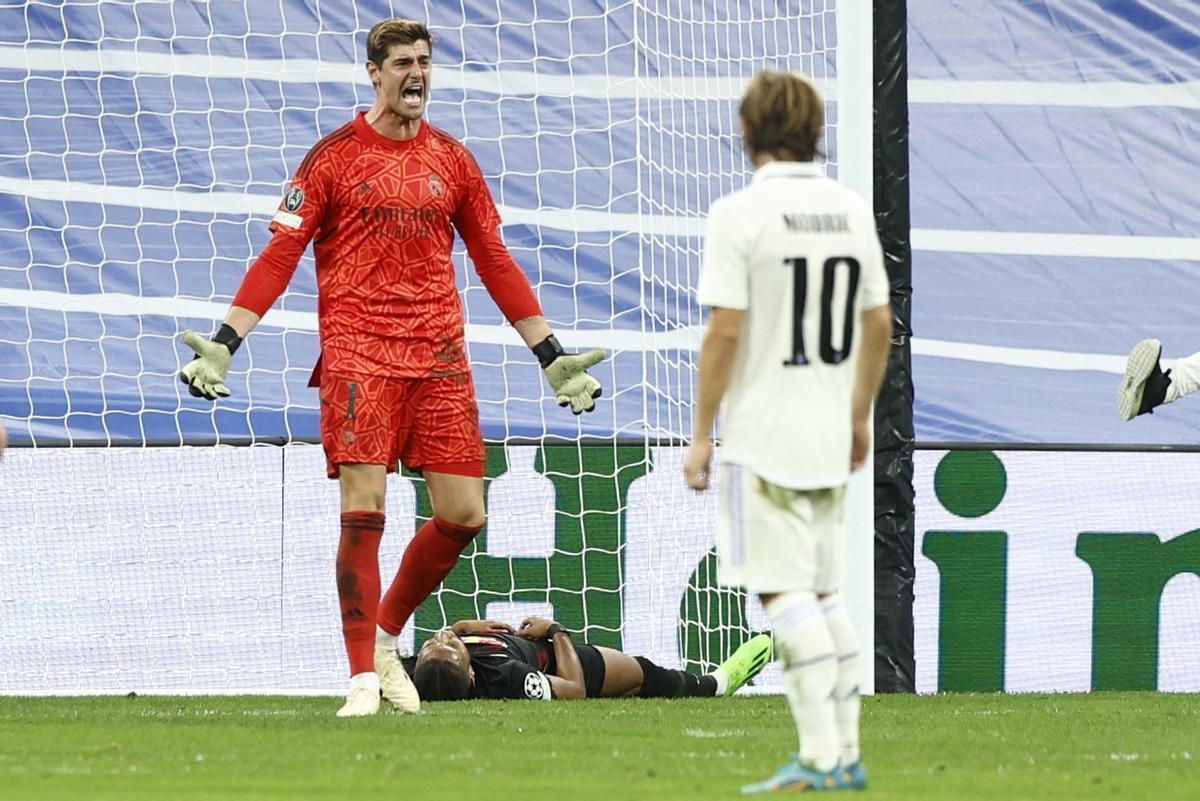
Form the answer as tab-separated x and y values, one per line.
1145	384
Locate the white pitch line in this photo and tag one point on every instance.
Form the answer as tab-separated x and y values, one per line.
508	82
1020	243
1061	360
243	204
178	200
201	313
1094	94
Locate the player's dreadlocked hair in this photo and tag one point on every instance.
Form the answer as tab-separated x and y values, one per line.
440	680
396	30
783	116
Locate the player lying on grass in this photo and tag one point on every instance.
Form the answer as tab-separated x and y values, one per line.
487	659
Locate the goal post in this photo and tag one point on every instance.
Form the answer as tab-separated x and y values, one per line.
855	131
143	148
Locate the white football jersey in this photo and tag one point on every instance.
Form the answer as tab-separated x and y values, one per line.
798	253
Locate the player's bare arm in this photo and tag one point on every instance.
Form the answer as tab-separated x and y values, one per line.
567	680
717	353
241	320
533	330
872	364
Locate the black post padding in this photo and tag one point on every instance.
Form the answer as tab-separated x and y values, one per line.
894	438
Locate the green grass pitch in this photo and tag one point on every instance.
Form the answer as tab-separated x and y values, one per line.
1099	746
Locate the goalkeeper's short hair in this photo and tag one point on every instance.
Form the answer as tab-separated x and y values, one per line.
441	680
396	30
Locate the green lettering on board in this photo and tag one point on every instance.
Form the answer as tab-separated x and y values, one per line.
972	566
1129	573
972	569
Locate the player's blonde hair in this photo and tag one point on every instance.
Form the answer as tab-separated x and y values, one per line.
396	30
783	116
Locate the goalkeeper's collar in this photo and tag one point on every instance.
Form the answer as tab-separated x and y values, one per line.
788	169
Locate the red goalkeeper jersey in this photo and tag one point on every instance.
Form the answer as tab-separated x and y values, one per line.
381	213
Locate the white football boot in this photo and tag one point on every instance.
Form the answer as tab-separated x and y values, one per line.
363	698
394	683
1145	384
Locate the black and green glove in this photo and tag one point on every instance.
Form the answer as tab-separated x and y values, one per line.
205	374
568	376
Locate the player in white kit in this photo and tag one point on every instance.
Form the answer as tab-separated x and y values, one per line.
796	348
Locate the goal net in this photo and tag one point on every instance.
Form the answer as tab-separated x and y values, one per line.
144	146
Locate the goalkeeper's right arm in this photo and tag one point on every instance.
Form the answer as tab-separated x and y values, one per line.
265	281
205	374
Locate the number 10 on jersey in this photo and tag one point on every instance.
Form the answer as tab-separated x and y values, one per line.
829	274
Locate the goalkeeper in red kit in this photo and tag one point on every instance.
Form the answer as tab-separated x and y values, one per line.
380	199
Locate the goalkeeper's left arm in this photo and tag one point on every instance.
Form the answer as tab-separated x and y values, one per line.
567	373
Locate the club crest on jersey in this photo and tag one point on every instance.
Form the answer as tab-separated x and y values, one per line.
436	187
294	199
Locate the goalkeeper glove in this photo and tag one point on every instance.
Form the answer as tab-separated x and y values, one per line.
567	374
205	374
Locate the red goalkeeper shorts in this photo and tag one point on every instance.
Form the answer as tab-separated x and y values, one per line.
423	423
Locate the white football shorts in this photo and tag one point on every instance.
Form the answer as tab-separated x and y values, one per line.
771	539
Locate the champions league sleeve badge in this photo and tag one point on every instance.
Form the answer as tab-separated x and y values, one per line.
537	687
293	199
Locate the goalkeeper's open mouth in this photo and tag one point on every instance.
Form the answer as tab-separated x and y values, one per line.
413	95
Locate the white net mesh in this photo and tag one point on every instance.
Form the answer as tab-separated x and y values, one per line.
694	60
144	145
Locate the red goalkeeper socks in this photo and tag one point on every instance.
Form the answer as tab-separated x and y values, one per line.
427	560
358	585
